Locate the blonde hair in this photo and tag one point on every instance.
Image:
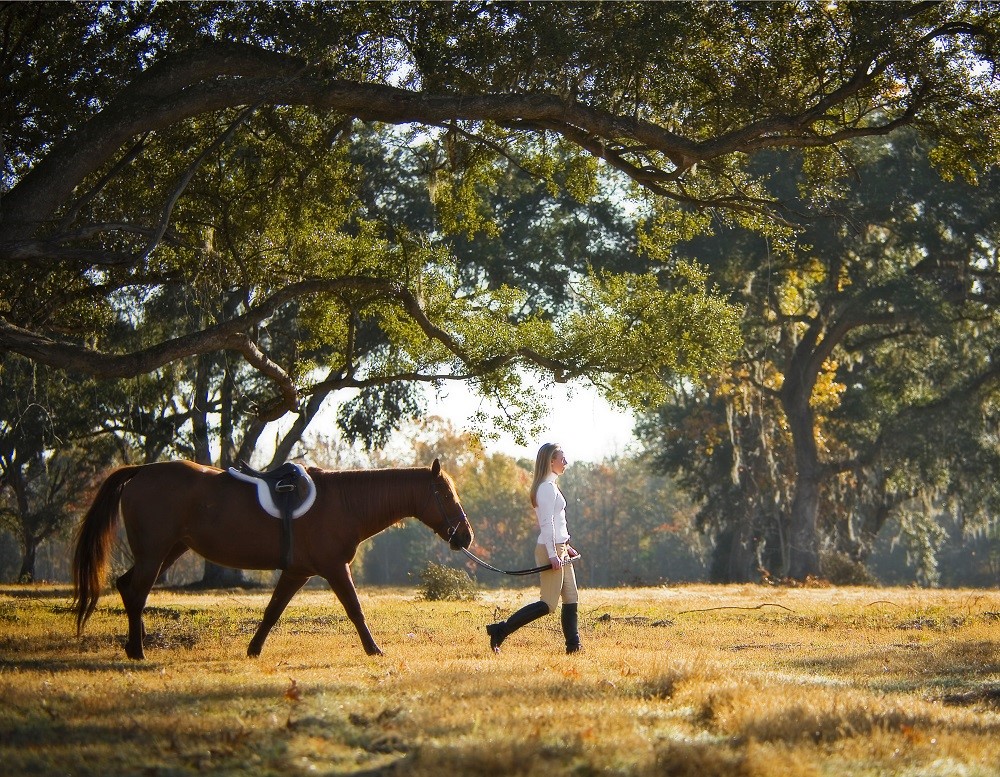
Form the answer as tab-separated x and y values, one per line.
543	467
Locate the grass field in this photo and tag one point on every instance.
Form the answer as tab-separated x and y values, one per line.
694	680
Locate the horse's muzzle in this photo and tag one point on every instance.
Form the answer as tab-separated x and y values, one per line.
462	538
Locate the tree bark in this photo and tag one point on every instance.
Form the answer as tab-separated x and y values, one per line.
29	543
199	411
796	393
28	558
742	566
214	576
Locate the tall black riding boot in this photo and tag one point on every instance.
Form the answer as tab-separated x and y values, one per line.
500	631
568	617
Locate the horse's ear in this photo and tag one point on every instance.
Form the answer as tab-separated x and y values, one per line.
436	468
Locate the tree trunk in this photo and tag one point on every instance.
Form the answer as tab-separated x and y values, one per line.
221	577
803	556
199	411
27	573
305	417
214	575
734	556
29	544
227	449
803	540
742	566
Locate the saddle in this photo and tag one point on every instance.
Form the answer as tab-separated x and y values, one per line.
286	492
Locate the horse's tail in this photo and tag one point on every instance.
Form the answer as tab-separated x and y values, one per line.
93	544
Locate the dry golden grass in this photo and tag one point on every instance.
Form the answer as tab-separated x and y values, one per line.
696	680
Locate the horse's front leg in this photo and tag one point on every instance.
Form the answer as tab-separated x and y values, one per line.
342	583
286	587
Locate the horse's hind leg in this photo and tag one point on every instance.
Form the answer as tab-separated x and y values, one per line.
134	587
286	587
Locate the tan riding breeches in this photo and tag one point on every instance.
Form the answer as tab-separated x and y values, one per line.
556	582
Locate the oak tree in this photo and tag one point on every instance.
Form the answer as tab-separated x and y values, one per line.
139	139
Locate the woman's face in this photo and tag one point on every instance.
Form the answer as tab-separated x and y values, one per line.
559	462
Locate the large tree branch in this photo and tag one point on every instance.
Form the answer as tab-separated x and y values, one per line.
234	334
117	169
218	337
221	76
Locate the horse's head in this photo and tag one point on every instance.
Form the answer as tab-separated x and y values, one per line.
447	518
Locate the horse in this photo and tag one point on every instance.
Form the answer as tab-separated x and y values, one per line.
171	507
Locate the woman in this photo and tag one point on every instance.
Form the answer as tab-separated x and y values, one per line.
554	549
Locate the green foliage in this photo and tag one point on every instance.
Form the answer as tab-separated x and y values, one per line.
377	411
441	583
644	335
213	200
49	454
669	225
880	325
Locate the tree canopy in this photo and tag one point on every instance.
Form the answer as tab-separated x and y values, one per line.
869	384
117	115
265	203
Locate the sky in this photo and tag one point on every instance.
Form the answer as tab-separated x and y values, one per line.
588	428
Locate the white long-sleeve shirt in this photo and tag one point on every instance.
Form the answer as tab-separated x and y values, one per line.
551	515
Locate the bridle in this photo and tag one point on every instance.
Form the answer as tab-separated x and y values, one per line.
453	527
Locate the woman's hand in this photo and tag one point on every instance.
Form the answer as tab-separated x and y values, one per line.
555	562
572	552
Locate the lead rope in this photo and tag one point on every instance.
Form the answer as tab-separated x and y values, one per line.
532	571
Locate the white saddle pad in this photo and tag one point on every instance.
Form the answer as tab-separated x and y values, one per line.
264	493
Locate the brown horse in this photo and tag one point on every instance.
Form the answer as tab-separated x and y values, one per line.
172	507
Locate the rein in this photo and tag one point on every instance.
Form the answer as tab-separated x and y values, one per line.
453	527
532	571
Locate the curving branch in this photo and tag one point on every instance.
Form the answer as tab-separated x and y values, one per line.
288	395
168	208
234	335
227	76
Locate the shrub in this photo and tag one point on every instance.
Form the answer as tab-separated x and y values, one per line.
439	583
841	569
